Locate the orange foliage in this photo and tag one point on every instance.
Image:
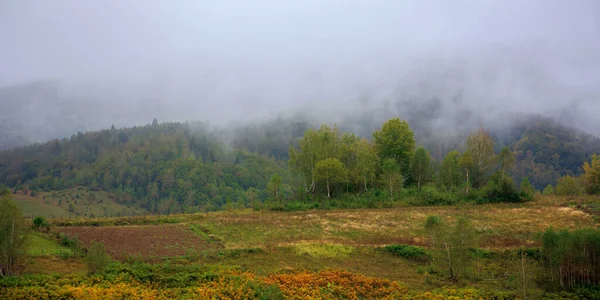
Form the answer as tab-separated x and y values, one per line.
327	284
335	284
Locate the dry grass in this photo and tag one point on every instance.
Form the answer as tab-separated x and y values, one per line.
500	225
344	239
50	264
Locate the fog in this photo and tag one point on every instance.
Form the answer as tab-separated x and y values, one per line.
232	61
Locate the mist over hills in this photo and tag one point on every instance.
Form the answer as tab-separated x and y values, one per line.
447	68
440	97
261	73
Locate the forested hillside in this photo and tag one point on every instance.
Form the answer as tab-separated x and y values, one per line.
191	166
546	150
164	167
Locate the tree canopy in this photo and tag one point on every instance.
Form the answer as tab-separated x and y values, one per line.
395	140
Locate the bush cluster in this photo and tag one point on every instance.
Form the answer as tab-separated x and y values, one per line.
409	252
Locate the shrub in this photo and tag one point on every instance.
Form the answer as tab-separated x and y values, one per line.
40	224
323	250
96	259
71	242
527	190
568	186
481	253
548	190
65	255
429	195
408	251
501	190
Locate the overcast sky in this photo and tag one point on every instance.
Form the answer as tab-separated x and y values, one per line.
267	56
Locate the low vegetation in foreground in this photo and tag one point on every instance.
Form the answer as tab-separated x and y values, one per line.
543	249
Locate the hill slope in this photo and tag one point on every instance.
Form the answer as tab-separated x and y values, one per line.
161	168
189	167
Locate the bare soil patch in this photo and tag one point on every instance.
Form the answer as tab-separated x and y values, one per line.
149	241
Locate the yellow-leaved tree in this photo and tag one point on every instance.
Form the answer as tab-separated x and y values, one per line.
591	177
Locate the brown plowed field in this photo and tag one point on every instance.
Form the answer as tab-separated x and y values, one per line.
148	241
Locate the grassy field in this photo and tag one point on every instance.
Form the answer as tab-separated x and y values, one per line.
72	203
42	245
500	226
267	243
36	206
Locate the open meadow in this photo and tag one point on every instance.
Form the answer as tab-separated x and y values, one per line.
304	254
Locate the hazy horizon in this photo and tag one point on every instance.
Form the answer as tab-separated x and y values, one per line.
227	61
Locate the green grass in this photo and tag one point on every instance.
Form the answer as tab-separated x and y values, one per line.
364	260
88	203
72	204
34	206
40	245
323	250
244	229
356	239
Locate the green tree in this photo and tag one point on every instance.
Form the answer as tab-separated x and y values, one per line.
507	160
315	146
274	187
450	173
570	258
452	245
395	140
433	228
346	150
391	175
330	171
466	163
13	236
481	148
548	190
591	177
40	224
527	188
252	196
367	162
568	186
96	258
420	166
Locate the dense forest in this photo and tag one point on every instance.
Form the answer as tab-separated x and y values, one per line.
172	167
158	167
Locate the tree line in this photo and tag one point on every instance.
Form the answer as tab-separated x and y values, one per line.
174	167
333	163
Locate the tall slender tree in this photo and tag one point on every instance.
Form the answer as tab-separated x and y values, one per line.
450	173
420	166
506	159
367	162
391	175
466	163
481	148
330	172
274	187
13	235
